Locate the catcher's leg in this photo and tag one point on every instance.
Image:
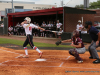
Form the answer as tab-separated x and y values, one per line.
75	54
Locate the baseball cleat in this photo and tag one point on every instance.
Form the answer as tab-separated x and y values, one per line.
96	61
25	56
80	61
40	54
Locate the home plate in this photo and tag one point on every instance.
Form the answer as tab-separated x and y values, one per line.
40	60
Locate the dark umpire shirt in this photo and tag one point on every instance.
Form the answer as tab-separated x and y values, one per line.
93	33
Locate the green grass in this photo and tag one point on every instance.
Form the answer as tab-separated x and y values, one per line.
18	42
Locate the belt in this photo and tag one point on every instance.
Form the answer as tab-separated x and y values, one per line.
28	34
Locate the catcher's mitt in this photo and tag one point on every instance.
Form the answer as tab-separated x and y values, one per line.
58	42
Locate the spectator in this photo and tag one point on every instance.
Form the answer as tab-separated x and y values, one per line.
34	31
58	25
43	24
58	34
54	26
10	30
43	33
50	25
2	25
38	31
18	28
15	31
79	27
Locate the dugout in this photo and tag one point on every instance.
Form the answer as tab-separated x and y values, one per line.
67	15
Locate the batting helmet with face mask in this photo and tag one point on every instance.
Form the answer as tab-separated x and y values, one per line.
28	19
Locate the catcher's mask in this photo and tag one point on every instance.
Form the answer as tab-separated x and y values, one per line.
88	23
75	34
28	19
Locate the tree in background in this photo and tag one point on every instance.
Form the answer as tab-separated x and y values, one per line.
79	6
92	5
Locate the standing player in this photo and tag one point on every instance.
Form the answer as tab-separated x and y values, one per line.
79	27
10	30
76	42
95	35
28	30
58	25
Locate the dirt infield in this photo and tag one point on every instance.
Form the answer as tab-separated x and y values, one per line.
58	62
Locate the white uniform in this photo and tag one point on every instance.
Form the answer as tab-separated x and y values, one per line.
10	28
44	24
58	25
28	30
79	26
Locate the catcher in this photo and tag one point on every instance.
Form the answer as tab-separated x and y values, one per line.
28	30
77	43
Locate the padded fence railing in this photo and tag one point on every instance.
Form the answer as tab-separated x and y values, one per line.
67	35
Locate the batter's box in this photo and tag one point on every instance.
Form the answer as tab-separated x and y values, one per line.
32	63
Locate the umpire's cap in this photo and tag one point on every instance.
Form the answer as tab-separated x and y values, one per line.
88	23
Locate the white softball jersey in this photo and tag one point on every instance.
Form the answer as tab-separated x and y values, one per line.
79	26
10	28
28	30
58	25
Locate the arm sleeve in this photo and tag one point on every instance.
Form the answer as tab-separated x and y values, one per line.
24	25
60	23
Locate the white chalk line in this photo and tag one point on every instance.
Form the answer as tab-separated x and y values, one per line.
68	57
10	51
5	62
19	56
63	62
14	53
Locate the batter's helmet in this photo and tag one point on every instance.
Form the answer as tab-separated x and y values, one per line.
88	23
28	19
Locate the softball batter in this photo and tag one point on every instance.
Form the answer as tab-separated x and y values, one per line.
28	30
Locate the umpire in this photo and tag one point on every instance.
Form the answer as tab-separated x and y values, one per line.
95	35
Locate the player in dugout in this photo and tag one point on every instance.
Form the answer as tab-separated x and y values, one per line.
77	43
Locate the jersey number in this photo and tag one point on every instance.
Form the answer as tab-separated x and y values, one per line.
30	28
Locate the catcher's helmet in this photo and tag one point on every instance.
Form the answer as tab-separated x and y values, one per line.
88	23
28	19
76	33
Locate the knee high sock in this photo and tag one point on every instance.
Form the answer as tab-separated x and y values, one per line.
26	52
35	48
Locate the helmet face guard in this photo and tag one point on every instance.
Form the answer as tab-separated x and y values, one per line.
75	34
88	23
